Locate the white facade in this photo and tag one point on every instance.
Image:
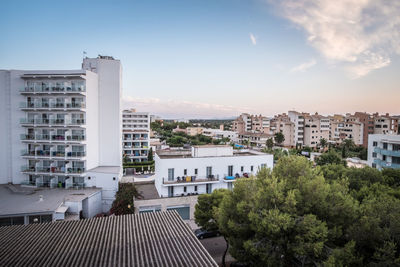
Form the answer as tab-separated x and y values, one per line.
136	135
204	168
298	120
219	134
58	125
384	151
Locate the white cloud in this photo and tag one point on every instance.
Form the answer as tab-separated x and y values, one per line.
304	66
182	109
360	34
253	38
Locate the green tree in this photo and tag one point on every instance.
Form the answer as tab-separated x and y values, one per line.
123	203
206	213
279	138
323	143
150	155
330	157
269	143
288	216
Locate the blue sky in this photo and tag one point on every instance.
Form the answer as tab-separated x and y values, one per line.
216	58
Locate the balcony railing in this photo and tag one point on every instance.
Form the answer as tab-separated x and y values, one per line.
76	154
52	121
53	89
191	179
26	105
52	169
47	137
385	164
386	152
76	170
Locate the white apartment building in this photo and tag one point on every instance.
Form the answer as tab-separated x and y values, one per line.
219	134
316	127
62	128
384	151
204	168
136	135
298	119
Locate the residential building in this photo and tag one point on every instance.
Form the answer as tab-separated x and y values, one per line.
368	125
219	134
385	124
204	168
347	127
136	135
193	131
63	128
251	123
157	239
281	123
298	119
254	139
316	127
384	151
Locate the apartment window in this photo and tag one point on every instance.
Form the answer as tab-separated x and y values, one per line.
184	189
209	172
195	188
263	165
208	188
185	172
195	171
396	160
384	157
242	169
251	168
230	170
11	221
373	154
396	147
373	165
385	145
40	218
375	143
170	174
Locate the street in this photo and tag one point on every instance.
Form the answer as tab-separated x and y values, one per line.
216	247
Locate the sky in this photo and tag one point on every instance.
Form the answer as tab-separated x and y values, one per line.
219	58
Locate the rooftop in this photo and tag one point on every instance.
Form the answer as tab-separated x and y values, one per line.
22	200
147	239
172	154
106	169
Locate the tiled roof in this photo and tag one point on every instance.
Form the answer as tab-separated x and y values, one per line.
148	239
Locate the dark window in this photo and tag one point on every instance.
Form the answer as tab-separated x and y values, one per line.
184	189
40	218
241	169
195	188
396	160
251	168
373	165
373	154
396	147
195	171
375	143
185	172
5	221
384	157
384	145
230	170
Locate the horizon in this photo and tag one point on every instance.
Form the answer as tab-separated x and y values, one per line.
218	59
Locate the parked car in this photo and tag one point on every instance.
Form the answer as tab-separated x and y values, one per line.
202	233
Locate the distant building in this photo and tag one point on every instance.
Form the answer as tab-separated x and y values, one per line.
193	131
62	128
347	127
281	123
316	127
136	135
384	151
298	119
219	134
254	139
251	123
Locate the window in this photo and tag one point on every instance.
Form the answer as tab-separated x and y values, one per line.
385	145
263	165
230	170
373	154
185	172
396	147
373	165
242	169
195	171
184	189
209	172
251	168
195	188
40	218
11	221
375	143
170	174
384	157
208	188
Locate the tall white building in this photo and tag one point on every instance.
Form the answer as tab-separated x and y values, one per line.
298	119
204	168
136	135
62	128
384	151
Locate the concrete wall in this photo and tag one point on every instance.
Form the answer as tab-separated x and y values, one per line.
189	201
92	120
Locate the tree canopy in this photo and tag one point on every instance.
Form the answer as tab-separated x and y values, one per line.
297	215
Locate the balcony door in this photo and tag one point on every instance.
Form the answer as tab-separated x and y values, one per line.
170	191
230	170
170	174
209	172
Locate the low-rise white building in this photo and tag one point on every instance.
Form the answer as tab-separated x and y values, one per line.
384	151
204	168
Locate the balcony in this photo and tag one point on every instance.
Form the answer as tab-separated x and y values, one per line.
59	170
76	170
76	154
386	152
188	180
230	178
50	122
52	89
49	138
385	164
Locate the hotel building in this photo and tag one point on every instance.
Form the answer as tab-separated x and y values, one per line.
62	128
384	151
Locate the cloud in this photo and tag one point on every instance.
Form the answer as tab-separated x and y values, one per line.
253	39
304	66
361	35
175	109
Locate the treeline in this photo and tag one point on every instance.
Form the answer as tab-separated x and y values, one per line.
297	215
